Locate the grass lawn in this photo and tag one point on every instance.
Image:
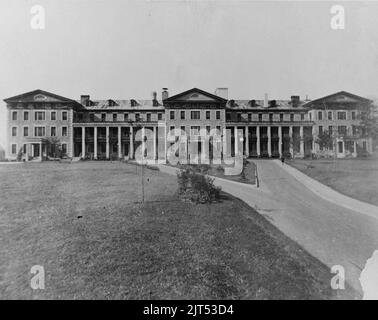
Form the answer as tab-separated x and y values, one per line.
122	249
357	178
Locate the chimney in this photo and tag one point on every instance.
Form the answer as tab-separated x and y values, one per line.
266	100
164	94
84	100
222	92
272	103
154	99
295	101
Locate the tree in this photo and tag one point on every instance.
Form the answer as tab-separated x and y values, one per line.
325	140
369	122
53	146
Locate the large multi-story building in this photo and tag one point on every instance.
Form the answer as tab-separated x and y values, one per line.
43	125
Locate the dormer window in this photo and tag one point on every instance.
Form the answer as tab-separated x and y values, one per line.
111	103
133	103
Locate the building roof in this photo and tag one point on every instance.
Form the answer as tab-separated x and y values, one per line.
259	105
129	105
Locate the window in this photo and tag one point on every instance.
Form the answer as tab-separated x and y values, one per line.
14	115
353	115
64	131
14	148
207	115
182	130
148	117
291	116
239	116
330	130
302	116
217	115
182	115
53	115
310	116
320	115
195	115
270	117
14	131
126	117
172	130
172	115
137	117
39	131
103	117
354	130
24	148
320	130
160	116
218	129
64	148
260	117
195	130
329	115
26	131
91	117
228	116
249	116
64	115
39	115
341	115
114	117
208	129
26	115
281	117
340	144
342	130
80	116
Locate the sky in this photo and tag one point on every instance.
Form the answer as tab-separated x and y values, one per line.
124	49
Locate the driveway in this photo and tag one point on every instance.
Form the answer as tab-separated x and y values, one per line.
333	234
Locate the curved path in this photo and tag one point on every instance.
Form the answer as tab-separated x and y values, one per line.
332	233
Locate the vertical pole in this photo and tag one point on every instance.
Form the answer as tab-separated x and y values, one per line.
258	140
269	142
291	141
247	141
302	142
95	143
280	140
155	142
131	149
107	142
236	141
119	143
83	142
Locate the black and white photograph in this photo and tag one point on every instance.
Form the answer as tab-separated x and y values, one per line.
187	150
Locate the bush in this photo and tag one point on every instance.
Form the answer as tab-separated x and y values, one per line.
196	187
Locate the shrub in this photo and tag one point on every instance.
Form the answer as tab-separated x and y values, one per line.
196	187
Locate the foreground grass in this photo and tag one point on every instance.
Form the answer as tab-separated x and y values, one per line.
84	224
357	178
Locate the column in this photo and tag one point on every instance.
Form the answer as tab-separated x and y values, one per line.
27	152
95	143
165	143
236	139
119	143
291	141
131	149
280	140
155	142
40	150
313	135
107	142
82	142
301	141
246	141
269	142
143	143
258	140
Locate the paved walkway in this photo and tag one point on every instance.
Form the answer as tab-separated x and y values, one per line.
332	233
